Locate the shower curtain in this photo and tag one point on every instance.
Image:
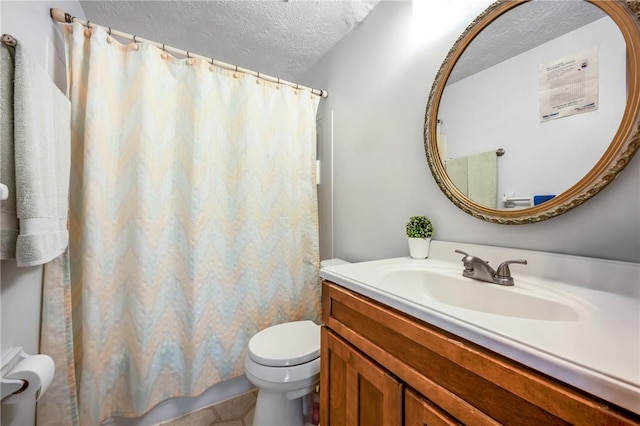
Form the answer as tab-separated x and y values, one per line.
193	220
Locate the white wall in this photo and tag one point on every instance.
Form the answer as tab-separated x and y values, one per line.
378	79
21	288
540	157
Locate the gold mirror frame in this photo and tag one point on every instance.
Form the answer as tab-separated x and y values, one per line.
624	145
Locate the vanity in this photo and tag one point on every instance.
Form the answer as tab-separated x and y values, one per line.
409	341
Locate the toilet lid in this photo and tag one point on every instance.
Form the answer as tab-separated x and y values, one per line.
287	344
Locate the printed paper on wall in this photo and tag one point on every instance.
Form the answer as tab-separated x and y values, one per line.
569	85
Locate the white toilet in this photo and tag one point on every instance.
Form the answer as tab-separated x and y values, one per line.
283	362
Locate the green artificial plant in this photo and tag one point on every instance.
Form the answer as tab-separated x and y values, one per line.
419	227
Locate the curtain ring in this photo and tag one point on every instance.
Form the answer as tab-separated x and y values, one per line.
188	57
134	39
109	31
163	48
8	40
87	31
211	61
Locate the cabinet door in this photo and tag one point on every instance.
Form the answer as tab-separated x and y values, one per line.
353	389
419	411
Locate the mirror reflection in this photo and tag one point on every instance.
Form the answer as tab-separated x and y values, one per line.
545	85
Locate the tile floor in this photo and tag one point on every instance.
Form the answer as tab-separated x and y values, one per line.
237	411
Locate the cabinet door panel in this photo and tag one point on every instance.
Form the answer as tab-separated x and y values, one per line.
421	412
355	391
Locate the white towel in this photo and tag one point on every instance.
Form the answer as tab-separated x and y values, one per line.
483	179
41	129
476	176
8	211
458	172
441	141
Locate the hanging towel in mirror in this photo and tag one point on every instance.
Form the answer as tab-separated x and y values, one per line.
482	178
457	170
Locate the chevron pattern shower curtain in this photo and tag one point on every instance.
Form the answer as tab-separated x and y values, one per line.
193	220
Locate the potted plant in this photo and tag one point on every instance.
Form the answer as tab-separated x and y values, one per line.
419	232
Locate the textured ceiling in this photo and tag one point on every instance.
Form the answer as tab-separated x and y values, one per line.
285	38
521	29
275	37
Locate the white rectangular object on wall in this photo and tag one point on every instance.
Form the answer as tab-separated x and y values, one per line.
569	85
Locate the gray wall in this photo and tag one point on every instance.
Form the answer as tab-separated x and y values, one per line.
378	79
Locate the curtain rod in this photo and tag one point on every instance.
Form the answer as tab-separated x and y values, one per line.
60	15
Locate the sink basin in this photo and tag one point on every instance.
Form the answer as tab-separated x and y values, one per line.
448	287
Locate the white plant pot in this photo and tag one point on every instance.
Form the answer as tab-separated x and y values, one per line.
419	247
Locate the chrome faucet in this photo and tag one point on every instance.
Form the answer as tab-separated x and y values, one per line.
478	269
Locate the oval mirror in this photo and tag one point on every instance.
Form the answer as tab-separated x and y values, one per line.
536	107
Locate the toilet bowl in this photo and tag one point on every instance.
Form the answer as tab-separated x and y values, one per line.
283	362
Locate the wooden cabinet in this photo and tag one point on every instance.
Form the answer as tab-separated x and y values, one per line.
396	369
420	411
359	391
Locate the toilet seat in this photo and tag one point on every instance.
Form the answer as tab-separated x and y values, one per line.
262	375
284	345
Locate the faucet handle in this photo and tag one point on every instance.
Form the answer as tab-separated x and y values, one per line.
470	259
461	252
466	261
503	276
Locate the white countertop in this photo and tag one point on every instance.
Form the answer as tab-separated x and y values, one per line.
599	352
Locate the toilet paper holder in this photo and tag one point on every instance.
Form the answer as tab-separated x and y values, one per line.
25	377
10	359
